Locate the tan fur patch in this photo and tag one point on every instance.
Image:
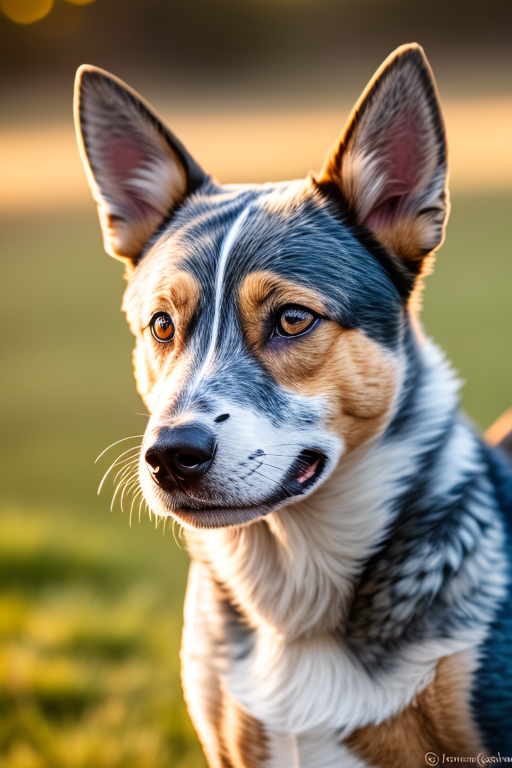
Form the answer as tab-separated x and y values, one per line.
500	432
244	738
179	297
355	375
439	721
411	238
124	239
151	359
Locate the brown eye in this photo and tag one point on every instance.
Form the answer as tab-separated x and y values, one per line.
293	321
162	327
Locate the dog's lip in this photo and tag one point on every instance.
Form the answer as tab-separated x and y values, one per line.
199	509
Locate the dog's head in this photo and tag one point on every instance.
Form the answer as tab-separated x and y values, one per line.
269	320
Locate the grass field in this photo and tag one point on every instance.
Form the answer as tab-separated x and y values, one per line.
90	609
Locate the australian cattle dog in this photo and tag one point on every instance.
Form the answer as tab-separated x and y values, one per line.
349	601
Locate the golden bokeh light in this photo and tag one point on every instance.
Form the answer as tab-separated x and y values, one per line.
80	2
26	11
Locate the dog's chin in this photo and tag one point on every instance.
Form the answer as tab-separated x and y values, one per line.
223	517
300	480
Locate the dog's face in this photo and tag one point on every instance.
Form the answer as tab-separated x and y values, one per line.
269	321
250	352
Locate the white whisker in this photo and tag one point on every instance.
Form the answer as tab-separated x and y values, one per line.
132	437
173	527
127	488
286	492
121	483
124	472
126	464
135	448
142	499
134	499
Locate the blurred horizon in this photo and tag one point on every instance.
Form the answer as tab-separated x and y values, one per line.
280	50
258	90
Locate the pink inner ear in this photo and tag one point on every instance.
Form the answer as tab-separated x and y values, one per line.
402	162
123	159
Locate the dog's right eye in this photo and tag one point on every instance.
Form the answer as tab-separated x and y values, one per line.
162	327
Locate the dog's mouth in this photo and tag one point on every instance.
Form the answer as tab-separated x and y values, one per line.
303	474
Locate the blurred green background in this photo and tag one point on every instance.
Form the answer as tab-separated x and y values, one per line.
90	608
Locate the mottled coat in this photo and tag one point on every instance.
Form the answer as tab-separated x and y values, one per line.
349	600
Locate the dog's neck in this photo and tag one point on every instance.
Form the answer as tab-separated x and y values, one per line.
320	564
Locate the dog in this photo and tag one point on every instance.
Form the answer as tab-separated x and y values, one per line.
349	599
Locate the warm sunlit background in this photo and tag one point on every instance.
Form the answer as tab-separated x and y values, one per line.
90	609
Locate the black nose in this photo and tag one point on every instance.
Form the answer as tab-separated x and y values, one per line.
181	454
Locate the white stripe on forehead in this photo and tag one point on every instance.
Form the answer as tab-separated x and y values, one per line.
225	252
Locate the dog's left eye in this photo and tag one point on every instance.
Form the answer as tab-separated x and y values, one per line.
162	327
294	321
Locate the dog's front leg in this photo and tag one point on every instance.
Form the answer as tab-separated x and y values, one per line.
200	665
229	735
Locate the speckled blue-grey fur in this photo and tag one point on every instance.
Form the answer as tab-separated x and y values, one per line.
492	693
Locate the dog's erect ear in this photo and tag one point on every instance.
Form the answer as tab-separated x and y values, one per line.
390	163
138	171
